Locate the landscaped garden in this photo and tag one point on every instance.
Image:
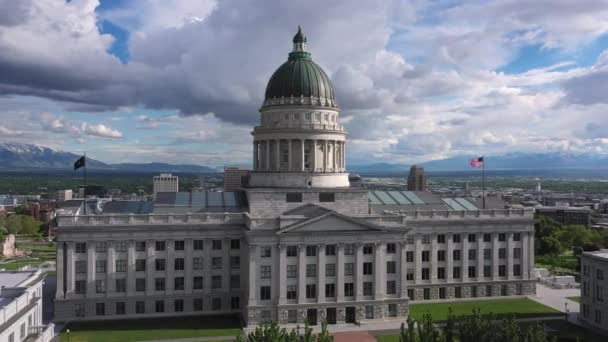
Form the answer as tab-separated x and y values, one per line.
152	329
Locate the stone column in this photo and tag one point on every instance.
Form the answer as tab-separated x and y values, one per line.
90	268
226	266
340	274
525	255
495	260
267	155
531	253
150	267
301	274
207	266
302	145
379	271
169	267
321	273
111	268
255	155
278	154
314	155
253	290
509	256
334	155
60	271
480	259
130	267
188	246
433	259
344	155
402	269
325	155
289	155
449	272
359	272
69	279
464	256
282	283
417	258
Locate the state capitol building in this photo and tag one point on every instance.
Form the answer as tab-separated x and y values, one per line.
298	243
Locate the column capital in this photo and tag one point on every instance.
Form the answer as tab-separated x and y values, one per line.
321	245
281	247
340	245
301	247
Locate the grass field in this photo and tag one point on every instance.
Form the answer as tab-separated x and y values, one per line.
152	329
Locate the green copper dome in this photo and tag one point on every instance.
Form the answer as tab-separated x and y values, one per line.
299	80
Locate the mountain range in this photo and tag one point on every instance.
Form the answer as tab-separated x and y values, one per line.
14	156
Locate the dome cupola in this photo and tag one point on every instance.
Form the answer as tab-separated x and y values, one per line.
299	81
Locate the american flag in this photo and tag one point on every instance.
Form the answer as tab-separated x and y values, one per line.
476	162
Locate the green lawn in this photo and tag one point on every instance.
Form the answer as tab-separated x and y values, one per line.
565	262
152	329
575	299
519	307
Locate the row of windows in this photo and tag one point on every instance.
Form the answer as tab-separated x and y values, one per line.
80	286
456	272
159	264
598	314
473	292
292	315
296	197
140	246
159	306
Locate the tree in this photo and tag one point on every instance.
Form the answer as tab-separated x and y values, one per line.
271	332
550	245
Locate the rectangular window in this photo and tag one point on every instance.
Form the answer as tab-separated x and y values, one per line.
440	272
80	287
456	254
330	270
426	239
369	312
487	237
159	264
100	247
293	197
472	272
216	282
81	266
502	270
516	236
456	272
197	263
409	274
391	287
327	197
235	244
216	304
311	251
441	255
140	265
471	237
426	256
599	274
159	246
368	288
458	292
178	305
265	272
487	271
81	247
487	254
216	263
442	293
349	289
292	251
100	286
121	246
409	256
391	267
120	308
216	245
368	249
440	238
197	304
292	315
159	284
426	293
178	283
121	285
179	245
516	253
472	254
235	303
502	253
140	307
489	291
349	249
473	291
330	250
502	237
456	238
121	265
410	294
198	245
159	306
392	310
311	270
235	262
140	284
517	270
391	248
292	271
265	251
235	281
426	273
349	269
292	291
330	290
100	309
368	268
140	246
311	291
179	264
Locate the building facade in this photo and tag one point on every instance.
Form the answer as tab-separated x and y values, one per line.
235	178
594	308
416	180
303	246
166	182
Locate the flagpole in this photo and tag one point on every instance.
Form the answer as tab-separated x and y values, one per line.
483	182
84	193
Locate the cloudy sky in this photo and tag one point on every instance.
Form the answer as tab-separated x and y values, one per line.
181	81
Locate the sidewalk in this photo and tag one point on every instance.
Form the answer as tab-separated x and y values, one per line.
557	298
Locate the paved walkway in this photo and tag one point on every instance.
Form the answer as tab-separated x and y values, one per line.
356	336
557	298
197	339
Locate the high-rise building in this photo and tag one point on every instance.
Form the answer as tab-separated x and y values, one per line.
235	178
166	182
299	243
416	180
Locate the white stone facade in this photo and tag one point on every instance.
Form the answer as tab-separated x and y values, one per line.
165	182
594	284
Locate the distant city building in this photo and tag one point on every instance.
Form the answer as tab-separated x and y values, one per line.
91	190
166	182
553	199
594	283
235	178
21	307
63	195
566	215
416	180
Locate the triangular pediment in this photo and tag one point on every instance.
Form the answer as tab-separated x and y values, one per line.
331	222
